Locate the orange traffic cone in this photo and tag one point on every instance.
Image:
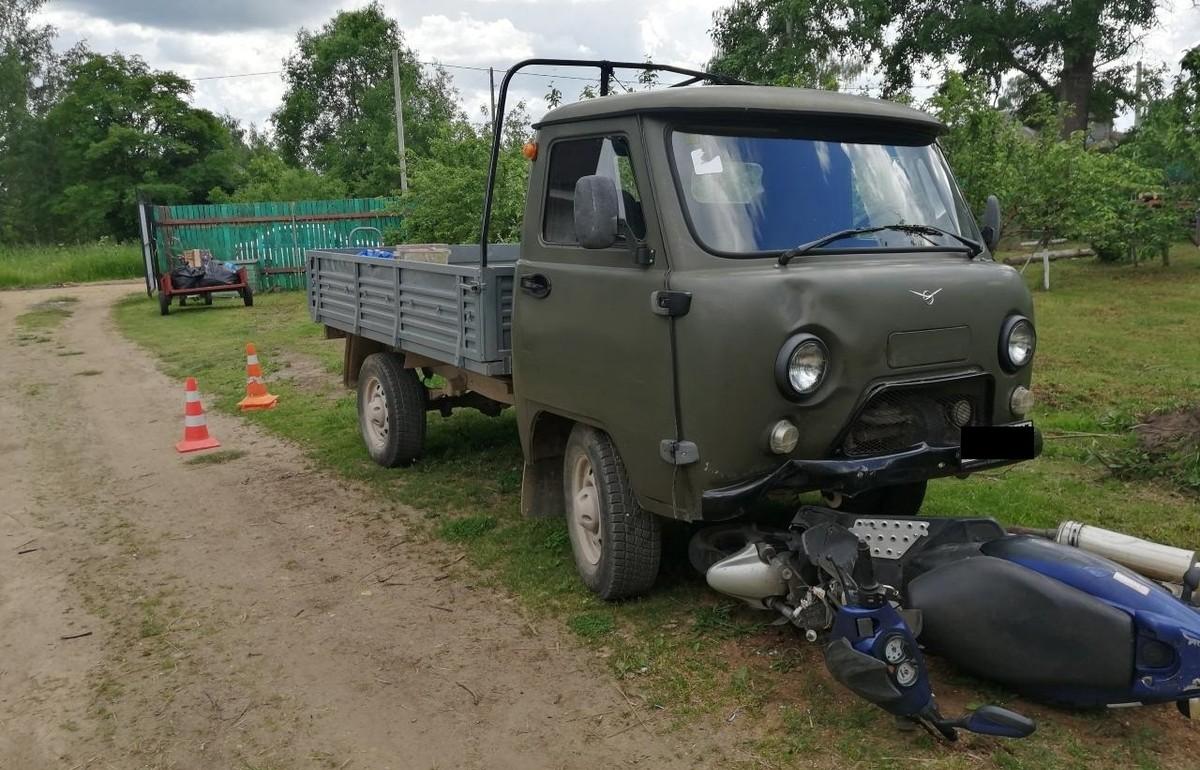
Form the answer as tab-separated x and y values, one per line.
257	396
195	428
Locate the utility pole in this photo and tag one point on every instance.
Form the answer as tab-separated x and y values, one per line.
492	80
1137	95
399	120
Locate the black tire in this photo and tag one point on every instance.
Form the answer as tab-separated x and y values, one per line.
620	558
391	410
248	296
164	302
898	500
208	298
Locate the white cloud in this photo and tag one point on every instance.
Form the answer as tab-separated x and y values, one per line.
467	40
258	34
193	55
676	31
1177	31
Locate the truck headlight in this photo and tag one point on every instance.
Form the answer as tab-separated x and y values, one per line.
801	365
1017	342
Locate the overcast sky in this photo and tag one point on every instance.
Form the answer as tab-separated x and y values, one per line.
208	38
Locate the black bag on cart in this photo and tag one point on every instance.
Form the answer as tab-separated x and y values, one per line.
186	277
216	274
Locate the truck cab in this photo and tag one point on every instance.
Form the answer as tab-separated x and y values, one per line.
726	290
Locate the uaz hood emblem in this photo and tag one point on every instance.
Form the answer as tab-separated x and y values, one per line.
925	295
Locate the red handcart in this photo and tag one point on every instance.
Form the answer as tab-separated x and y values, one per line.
166	291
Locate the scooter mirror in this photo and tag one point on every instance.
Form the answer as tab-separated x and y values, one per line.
993	720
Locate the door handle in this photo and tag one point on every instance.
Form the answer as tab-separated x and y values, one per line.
536	285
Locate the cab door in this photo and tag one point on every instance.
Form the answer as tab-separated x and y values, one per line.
587	344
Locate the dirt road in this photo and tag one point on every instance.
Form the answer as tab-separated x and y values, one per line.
252	614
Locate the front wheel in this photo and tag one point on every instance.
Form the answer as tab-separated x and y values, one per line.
391	410
164	302
248	295
896	500
617	545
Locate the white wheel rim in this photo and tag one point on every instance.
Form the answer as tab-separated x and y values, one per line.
585	510
375	415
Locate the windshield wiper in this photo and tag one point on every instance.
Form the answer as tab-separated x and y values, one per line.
973	248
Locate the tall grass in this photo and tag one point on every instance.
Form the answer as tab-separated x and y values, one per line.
27	266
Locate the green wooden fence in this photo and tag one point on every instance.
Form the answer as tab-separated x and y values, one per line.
269	238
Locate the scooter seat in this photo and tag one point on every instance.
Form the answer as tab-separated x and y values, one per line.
1004	622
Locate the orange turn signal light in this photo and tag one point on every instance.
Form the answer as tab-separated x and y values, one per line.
530	150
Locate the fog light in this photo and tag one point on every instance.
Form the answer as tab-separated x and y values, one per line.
960	412
784	437
1021	401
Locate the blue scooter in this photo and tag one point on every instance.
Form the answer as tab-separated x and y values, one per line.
1049	619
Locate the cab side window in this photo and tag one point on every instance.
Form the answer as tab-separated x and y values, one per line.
574	158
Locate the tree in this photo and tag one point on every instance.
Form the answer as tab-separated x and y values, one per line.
798	43
1168	136
25	59
1050	187
1057	46
337	115
120	129
267	178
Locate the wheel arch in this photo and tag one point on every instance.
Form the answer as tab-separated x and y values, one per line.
542	479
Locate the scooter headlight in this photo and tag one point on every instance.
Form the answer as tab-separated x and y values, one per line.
801	365
1017	343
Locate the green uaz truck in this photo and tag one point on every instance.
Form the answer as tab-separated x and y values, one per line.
721	290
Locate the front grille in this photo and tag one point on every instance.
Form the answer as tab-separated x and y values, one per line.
902	417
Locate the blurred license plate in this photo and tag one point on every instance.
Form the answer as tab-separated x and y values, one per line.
997	442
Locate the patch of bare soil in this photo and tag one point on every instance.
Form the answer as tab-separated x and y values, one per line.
309	375
1170	431
255	612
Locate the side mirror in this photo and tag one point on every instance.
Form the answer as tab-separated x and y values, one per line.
991	222
596	212
993	720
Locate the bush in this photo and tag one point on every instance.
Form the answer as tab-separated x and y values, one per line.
444	202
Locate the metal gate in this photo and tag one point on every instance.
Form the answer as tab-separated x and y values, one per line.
268	238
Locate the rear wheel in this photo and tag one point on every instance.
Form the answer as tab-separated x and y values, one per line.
208	298
248	296
897	500
617	545
391	410
164	302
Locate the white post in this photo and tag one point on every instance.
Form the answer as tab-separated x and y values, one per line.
1046	268
399	121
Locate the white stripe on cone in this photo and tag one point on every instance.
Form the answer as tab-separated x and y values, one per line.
254	379
193	395
251	359
193	421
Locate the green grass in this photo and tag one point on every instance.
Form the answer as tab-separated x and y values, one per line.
46	315
29	266
1115	342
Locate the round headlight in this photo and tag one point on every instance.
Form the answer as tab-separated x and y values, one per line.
1017	342
806	366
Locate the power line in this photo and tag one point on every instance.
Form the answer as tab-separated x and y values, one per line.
238	75
546	75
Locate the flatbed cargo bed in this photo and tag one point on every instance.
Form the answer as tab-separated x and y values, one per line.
452	313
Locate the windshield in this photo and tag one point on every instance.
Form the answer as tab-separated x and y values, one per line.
745	195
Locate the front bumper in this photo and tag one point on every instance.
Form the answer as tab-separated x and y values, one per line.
849	476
